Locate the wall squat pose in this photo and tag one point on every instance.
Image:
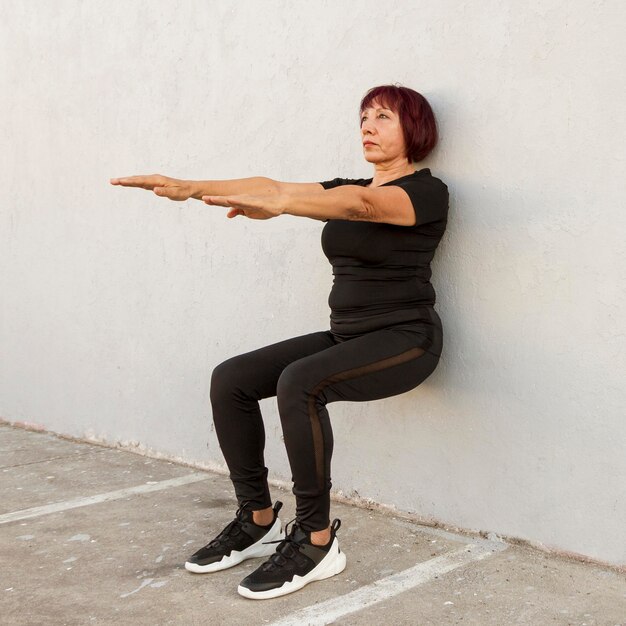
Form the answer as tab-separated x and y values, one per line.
384	336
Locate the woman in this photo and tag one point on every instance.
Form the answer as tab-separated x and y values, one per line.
385	336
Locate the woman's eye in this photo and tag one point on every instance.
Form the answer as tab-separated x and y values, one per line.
378	115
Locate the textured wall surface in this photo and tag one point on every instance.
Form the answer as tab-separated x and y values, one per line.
116	304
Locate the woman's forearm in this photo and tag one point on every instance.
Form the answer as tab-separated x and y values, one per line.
252	185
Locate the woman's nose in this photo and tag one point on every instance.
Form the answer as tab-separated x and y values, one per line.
366	128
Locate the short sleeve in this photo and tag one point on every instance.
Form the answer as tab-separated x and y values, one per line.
429	199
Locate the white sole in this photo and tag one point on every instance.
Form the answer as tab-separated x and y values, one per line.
255	550
333	563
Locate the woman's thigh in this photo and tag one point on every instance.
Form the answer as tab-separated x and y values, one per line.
376	365
256	373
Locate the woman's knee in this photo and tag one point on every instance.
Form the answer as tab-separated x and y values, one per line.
291	382
225	378
296	385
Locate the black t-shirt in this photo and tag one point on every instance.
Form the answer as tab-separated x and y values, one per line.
381	272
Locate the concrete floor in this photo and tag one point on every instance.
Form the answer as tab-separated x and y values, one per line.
92	535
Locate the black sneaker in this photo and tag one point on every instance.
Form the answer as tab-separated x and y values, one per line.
241	539
295	563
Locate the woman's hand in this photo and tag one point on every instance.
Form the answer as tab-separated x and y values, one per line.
164	186
259	207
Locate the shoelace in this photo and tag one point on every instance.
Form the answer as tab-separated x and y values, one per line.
287	548
225	535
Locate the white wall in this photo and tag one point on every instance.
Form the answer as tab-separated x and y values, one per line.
117	304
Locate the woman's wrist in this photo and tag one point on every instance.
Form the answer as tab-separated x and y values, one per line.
195	189
284	202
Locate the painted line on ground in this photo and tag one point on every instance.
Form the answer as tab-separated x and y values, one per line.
102	497
329	611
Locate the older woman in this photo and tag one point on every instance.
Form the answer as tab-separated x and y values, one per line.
385	336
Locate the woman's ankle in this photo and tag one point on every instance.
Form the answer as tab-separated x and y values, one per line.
263	517
320	537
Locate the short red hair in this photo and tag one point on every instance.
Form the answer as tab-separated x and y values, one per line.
416	117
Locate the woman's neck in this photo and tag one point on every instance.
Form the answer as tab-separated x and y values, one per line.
384	175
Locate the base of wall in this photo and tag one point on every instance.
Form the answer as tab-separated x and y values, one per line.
335	495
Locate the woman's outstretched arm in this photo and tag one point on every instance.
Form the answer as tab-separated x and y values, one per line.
177	189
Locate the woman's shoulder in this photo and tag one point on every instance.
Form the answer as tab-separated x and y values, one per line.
419	179
423	182
422	176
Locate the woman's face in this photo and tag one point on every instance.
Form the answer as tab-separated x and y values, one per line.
382	127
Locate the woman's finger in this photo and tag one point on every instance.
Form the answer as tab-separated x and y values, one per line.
144	182
218	200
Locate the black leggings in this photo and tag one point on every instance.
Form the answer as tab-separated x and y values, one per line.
306	373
